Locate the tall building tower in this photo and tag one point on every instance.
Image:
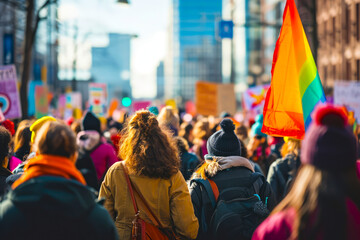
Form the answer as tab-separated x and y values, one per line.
194	51
111	65
246	47
160	81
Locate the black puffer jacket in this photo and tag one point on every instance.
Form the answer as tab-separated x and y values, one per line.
54	208
280	173
239	177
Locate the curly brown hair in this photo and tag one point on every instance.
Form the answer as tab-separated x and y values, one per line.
147	148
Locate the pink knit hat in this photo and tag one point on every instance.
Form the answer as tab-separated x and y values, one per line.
329	144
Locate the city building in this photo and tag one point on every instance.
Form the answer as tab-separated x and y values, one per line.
339	41
111	65
12	25
160	81
195	52
243	56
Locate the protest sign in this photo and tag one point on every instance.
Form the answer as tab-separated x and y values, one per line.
113	106
62	105
41	101
9	94
254	98
347	93
214	98
138	105
98	98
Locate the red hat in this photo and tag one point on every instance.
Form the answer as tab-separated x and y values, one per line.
9	125
329	144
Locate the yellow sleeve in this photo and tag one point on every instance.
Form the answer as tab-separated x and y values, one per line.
181	208
105	192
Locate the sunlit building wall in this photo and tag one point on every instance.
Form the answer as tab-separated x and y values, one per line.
111	65
339	40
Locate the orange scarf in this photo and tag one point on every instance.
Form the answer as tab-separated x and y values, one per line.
49	165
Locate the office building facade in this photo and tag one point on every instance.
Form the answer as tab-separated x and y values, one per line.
195	51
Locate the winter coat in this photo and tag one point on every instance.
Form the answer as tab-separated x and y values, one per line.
4	173
49	207
225	179
280	225
102	153
85	165
169	199
280	172
189	162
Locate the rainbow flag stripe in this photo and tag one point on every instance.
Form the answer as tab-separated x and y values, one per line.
295	85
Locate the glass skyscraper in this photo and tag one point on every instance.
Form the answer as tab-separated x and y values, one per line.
194	49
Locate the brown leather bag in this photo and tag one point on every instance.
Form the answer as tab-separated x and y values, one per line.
142	230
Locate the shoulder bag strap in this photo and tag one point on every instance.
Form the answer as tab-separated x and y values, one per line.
142	198
130	188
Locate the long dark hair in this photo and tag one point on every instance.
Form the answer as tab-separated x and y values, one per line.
148	149
319	199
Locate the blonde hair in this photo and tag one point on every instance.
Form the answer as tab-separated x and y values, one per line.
168	117
202	129
292	145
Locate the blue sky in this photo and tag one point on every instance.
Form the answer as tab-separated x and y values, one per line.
146	18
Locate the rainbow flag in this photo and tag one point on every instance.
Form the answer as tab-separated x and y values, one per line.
295	87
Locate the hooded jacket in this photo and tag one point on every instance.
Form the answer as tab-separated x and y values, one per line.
226	174
49	207
280	172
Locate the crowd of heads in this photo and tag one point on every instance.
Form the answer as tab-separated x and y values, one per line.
154	144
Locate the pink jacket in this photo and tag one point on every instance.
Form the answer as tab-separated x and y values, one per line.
279	225
102	153
13	163
103	157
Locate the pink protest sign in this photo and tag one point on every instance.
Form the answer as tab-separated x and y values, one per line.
9	94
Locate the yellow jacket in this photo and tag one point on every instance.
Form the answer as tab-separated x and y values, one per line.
169	200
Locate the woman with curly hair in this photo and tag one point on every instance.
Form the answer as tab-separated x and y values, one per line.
151	160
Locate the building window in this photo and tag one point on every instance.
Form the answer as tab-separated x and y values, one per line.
334	72
325	74
358	69
347	25
358	21
333	32
348	70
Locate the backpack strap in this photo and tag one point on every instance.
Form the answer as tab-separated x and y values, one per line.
257	182
211	192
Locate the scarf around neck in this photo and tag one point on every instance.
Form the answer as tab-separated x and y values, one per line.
49	165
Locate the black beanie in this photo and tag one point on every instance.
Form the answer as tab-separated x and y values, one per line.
224	142
91	122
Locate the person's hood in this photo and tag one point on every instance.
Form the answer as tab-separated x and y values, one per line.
49	195
88	139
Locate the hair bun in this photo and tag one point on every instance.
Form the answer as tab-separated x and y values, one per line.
227	125
330	115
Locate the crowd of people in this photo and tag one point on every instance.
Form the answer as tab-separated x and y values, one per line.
155	175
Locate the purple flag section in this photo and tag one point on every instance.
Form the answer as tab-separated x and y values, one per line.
9	94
